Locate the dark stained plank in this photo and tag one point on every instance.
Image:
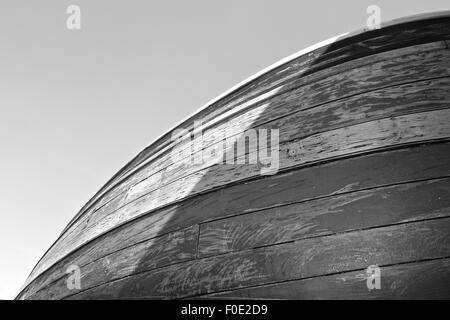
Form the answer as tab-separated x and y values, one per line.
290	261
363	45
420	280
389	102
409	98
332	86
353	174
429	61
154	253
356	139
352	211
359	210
353	78
351	81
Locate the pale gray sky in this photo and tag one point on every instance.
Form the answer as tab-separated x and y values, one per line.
75	106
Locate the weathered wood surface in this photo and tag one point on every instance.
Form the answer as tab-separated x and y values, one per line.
377	66
288	261
351	211
355	77
344	213
377	104
364	45
372	102
341	142
418	280
334	178
409	98
335	143
315	89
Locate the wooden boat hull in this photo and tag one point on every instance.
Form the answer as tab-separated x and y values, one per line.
361	180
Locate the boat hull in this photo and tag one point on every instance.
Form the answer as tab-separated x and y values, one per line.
351	202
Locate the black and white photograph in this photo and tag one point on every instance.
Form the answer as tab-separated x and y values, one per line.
223	154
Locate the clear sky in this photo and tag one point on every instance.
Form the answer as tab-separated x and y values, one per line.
76	105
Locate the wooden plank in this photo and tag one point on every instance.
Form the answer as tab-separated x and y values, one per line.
350	211
356	139
291	261
398	36
351	81
306	92
354	211
367	44
409	98
343	51
430	61
353	174
419	280
161	251
345	114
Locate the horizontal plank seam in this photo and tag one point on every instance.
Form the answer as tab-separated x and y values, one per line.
288	79
434	179
259	177
324	235
383	186
271	88
124	168
406	44
442	178
272	245
285	116
342	43
419	261
198	241
285	142
252	179
344	60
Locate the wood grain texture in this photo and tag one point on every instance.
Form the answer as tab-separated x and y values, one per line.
363	179
350	211
353	77
428	60
356	139
410	98
290	261
334	178
419	280
160	251
354	211
364	45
